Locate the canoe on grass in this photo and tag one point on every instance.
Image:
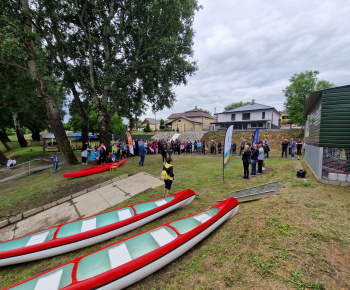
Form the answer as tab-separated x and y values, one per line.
88	231
130	260
93	169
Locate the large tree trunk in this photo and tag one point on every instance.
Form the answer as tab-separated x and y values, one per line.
50	103
82	113
35	133
21	140
5	135
3	158
103	126
3	141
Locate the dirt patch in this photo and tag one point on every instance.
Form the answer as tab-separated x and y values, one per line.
274	137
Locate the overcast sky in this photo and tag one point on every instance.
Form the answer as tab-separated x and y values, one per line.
249	49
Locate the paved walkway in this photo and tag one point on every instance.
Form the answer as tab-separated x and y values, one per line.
84	205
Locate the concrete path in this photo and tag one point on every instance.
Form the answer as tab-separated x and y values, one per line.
84	205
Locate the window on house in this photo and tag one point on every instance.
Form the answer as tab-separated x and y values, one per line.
179	121
233	117
263	115
256	125
246	116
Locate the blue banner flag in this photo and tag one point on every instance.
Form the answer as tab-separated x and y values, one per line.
256	136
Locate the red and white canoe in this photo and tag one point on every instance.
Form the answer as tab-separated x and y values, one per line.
88	231
93	169
130	260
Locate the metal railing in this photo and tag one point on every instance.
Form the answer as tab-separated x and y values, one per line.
23	169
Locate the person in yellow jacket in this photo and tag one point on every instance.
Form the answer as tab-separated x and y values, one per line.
169	170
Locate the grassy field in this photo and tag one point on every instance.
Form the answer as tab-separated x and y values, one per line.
298	239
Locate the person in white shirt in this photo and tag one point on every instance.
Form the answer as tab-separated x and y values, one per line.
260	158
10	163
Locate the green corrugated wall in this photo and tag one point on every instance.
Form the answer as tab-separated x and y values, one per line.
335	118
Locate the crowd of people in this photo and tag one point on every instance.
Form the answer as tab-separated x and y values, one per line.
253	154
290	146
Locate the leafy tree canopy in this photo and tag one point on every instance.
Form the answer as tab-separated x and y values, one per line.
298	92
116	125
236	105
161	122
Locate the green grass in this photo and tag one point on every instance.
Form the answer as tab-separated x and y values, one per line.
299	239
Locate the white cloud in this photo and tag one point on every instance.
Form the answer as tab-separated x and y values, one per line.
249	50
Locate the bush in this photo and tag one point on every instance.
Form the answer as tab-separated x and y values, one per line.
285	122
147	128
166	130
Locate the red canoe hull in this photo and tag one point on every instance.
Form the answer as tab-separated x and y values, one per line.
93	169
130	272
58	246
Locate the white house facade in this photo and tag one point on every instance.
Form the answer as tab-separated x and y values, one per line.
247	117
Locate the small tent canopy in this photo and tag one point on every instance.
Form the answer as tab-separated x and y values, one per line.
78	135
48	136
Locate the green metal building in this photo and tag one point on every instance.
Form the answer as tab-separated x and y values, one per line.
327	134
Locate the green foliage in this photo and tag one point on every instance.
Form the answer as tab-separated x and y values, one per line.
166	130
285	122
116	125
177	130
236	105
147	128
161	122
298	92
205	111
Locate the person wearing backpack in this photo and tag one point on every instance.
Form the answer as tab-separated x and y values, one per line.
168	179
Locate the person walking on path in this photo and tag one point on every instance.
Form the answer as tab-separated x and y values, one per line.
260	158
169	180
142	153
245	159
284	147
254	158
292	146
55	159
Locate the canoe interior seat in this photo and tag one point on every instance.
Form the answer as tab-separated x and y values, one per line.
143	207
202	218
88	225
124	214
119	255
160	202
37	239
162	236
50	281
185	225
